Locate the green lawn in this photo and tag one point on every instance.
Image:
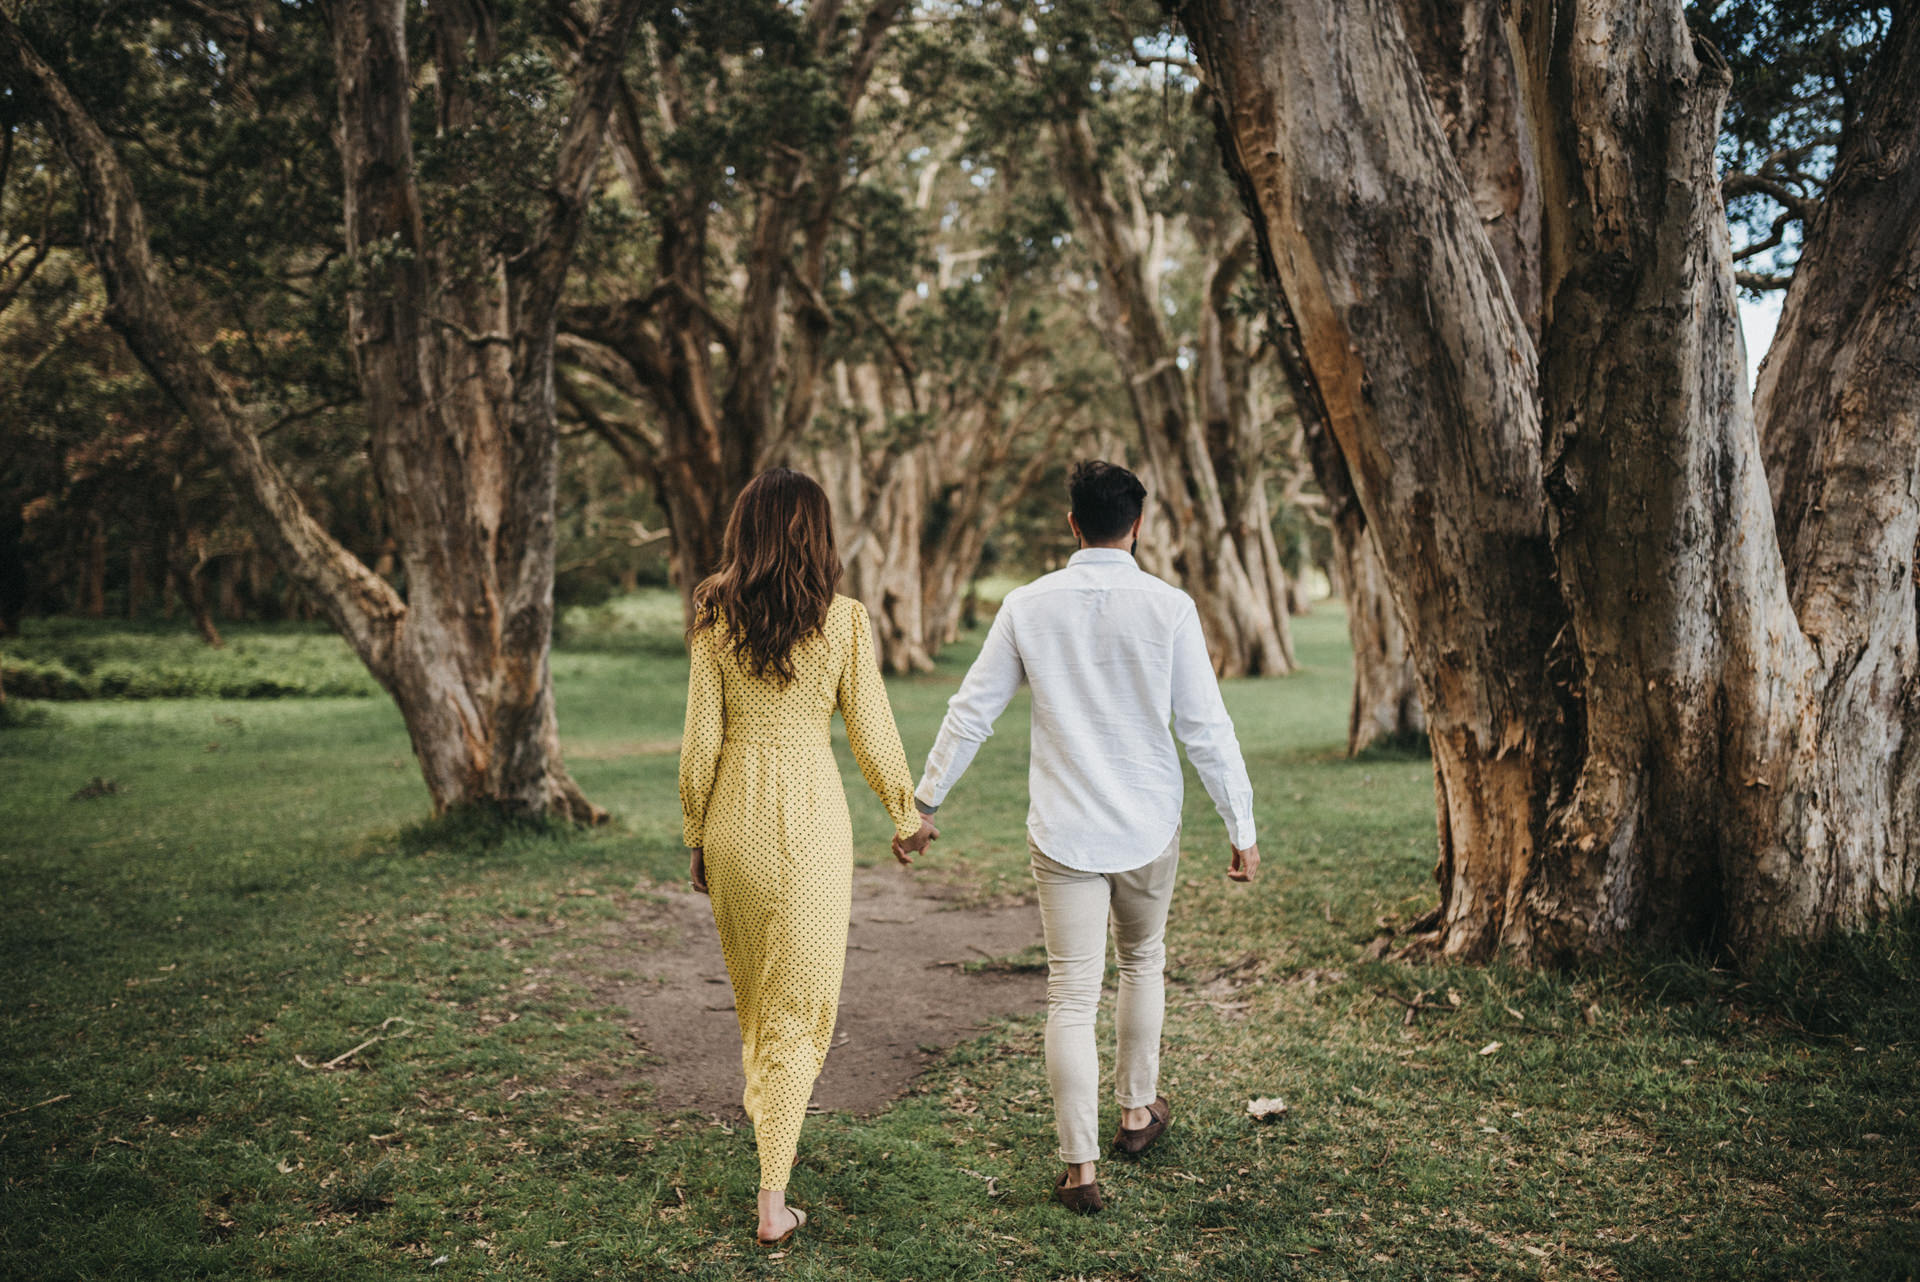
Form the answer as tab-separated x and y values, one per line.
257	895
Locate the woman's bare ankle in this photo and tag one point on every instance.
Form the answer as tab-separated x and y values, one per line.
773	1212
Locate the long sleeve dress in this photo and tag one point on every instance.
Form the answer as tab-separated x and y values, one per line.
761	795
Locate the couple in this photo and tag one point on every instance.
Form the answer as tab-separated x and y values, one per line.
1111	653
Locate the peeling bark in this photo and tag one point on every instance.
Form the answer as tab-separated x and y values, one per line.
1653	718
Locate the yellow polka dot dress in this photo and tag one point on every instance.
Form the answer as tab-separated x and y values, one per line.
762	796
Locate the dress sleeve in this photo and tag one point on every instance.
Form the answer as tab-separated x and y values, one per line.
705	730
870	729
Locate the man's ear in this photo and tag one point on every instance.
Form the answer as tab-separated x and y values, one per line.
1138	521
1075	527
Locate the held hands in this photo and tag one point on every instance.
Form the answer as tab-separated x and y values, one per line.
904	850
1242	864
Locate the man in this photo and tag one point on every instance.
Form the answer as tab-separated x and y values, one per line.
1111	654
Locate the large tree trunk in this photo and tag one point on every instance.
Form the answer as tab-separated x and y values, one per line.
1634	739
458	385
1385	707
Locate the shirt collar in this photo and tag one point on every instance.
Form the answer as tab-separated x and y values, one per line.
1101	556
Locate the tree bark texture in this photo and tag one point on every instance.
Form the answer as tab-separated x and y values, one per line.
1668	701
1385	706
457	379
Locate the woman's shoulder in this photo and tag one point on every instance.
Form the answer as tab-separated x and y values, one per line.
845	608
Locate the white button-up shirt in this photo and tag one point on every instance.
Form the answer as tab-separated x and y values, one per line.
1112	654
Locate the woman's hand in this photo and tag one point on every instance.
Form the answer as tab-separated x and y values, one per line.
905	850
697	869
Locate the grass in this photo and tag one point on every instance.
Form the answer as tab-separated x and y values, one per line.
99	659
259	894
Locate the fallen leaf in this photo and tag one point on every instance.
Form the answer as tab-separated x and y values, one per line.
1490	1048
1265	1109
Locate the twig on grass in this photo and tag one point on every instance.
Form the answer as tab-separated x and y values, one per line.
55	1099
344	1056
990	1179
1251	959
1414	1007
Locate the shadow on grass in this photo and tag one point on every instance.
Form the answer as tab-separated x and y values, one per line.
483	829
1405	745
1856	985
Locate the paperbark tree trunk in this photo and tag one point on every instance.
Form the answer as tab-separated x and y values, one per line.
1648	724
1385	705
458	385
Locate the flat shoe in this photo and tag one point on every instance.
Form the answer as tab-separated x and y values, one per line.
1082	1199
1134	1143
799	1219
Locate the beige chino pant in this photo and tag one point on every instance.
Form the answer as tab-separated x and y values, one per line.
1075	910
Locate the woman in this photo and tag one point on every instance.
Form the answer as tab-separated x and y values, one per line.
774	652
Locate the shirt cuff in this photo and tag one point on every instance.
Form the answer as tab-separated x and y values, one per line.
925	808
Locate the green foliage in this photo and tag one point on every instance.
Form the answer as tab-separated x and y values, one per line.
1799	67
648	622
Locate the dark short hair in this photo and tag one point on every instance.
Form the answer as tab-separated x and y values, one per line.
1106	499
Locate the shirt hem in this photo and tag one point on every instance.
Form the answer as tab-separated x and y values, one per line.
1067	859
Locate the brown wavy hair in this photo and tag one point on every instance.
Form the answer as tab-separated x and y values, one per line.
778	570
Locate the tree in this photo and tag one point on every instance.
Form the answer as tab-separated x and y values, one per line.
944	415
451	333
1131	164
734	136
1797	68
1385	703
1665	635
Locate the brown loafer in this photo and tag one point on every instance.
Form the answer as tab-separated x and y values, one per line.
1134	1143
1082	1199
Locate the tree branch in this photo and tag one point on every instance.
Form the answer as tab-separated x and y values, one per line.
362	605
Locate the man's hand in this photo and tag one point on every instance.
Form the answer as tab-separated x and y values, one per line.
697	869
1242	864
904	850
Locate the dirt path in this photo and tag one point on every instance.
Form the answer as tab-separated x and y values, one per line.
899	1006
